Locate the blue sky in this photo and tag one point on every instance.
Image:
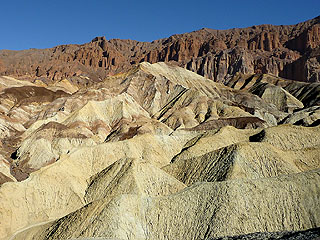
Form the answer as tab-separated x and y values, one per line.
41	23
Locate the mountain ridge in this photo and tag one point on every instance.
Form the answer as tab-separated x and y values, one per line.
196	136
215	54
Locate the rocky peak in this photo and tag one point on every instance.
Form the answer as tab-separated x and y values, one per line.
97	39
269	49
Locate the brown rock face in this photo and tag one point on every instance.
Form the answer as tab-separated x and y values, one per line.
308	39
287	51
306	67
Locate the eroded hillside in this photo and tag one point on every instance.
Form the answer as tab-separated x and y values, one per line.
289	51
158	152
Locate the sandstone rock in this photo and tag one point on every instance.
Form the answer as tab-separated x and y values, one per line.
307	93
5	175
288	137
60	188
203	209
205	160
155	99
216	54
307	234
113	159
283	100
306	117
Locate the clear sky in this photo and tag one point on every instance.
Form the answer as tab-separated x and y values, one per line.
46	23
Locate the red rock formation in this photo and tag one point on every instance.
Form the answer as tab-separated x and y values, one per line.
216	54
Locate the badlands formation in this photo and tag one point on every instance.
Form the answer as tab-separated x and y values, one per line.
95	145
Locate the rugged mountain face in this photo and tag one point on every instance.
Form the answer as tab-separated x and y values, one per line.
158	152
291	52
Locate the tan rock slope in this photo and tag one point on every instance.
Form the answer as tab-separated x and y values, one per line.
202	211
158	152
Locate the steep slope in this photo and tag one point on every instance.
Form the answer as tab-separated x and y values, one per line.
275	151
201	210
157	152
287	235
155	99
60	188
288	51
307	93
178	94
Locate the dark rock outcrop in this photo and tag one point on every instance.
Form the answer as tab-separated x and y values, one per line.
298	235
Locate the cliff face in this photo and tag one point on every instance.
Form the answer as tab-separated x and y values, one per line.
287	51
98	143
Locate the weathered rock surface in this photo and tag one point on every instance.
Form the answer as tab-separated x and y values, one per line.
272	152
61	188
156	99
307	93
306	117
288	51
202	209
298	235
158	152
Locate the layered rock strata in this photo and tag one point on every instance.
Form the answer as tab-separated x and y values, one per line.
158	152
289	51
